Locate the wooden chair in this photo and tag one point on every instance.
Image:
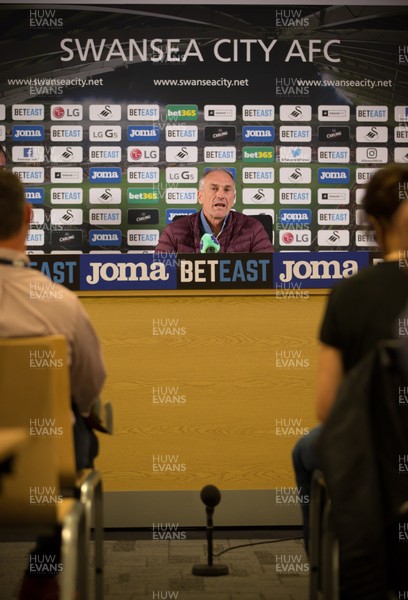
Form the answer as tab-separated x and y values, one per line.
34	376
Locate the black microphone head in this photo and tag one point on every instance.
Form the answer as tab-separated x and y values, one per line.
210	495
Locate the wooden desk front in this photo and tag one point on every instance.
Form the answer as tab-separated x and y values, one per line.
207	387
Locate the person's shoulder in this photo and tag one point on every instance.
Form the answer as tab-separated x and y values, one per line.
370	277
50	290
239	217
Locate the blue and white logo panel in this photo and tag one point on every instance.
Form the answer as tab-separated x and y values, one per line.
27	133
316	269
105	237
258	134
34	195
333	175
128	272
143	133
105	174
292	216
171	213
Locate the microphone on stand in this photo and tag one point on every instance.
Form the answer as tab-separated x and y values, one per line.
211	496
209	243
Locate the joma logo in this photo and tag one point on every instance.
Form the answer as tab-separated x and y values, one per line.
126	272
318	269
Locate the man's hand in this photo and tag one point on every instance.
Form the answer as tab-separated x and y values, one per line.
101	417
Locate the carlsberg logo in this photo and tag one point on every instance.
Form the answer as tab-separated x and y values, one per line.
126	272
318	269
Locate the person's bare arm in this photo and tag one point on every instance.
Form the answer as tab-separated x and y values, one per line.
329	376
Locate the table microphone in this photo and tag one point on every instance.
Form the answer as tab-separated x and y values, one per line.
211	496
209	243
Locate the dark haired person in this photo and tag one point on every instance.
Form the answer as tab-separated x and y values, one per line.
360	312
234	231
25	311
3	158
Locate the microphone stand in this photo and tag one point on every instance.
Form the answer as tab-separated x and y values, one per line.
210	570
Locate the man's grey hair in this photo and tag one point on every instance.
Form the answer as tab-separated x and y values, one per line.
217	170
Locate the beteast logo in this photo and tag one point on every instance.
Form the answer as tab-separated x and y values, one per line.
60	133
27	112
105	154
31	175
105	174
334	175
143	175
143	112
181	133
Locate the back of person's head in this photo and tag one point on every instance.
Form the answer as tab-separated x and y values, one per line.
3	157
385	192
12	202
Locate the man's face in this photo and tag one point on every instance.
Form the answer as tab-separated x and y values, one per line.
2	160
217	195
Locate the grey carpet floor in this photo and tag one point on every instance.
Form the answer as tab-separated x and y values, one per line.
161	570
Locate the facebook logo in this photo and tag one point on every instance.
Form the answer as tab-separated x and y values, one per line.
28	152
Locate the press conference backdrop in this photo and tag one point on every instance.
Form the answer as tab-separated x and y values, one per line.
111	114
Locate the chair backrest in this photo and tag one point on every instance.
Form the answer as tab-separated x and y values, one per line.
362	453
267	222
35	394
